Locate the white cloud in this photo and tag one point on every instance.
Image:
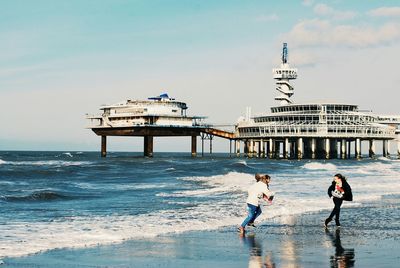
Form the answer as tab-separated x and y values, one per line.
270	17
325	10
322	33
385	12
308	2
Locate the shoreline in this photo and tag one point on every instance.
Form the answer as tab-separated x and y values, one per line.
297	241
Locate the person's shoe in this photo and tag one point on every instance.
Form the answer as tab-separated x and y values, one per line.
326	222
251	224
337	223
241	230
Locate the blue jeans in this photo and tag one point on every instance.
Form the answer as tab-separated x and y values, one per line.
253	213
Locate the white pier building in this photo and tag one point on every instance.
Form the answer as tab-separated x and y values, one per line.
313	130
155	111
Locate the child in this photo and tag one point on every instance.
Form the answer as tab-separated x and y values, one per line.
340	190
257	191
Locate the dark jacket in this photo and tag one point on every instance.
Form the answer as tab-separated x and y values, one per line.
347	196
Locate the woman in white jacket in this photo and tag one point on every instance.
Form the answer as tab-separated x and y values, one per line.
256	192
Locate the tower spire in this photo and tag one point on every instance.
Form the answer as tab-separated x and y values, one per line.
283	75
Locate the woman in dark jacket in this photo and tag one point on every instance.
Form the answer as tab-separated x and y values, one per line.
340	190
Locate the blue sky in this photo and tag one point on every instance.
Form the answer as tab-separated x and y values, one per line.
62	59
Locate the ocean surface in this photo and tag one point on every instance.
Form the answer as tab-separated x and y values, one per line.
54	200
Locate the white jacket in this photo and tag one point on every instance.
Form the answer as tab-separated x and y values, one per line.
256	192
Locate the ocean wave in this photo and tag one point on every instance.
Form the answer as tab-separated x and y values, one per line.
40	196
241	163
320	166
68	154
47	163
2	162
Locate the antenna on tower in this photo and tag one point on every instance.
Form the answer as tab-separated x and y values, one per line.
283	75
284	53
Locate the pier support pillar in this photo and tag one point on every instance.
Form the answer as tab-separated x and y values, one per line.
277	149
358	148
385	148
246	148
237	147
327	148
103	146
349	149
194	146
251	149
313	148
262	148
300	148
398	146
334	149
343	147
211	138
286	149
271	148
372	148
148	146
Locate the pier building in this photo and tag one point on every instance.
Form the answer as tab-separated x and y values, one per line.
159	116
315	130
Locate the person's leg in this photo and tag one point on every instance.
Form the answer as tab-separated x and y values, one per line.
338	204
334	212
258	213
251	215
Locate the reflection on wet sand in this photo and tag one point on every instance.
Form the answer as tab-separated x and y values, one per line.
256	256
344	257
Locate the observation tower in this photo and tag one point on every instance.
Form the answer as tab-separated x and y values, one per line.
283	75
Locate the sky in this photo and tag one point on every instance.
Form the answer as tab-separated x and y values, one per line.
61	60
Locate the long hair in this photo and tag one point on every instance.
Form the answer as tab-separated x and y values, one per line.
340	176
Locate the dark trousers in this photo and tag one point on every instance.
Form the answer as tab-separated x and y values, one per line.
336	210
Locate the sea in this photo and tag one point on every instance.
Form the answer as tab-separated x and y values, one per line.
51	200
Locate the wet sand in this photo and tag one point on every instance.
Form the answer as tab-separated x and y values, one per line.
369	237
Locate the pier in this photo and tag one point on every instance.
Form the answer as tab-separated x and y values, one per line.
149	132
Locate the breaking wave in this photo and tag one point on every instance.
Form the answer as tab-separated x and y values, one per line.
40	196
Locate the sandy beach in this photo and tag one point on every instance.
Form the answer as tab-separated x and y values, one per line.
369	237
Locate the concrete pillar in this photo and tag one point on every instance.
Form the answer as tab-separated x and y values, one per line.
277	149
349	149
327	148
385	148
371	148
194	146
262	142
271	148
211	144
398	146
343	147
246	148
300	148
148	146
237	147
251	148
334	149
286	147
103	146
202	146
313	148
358	148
